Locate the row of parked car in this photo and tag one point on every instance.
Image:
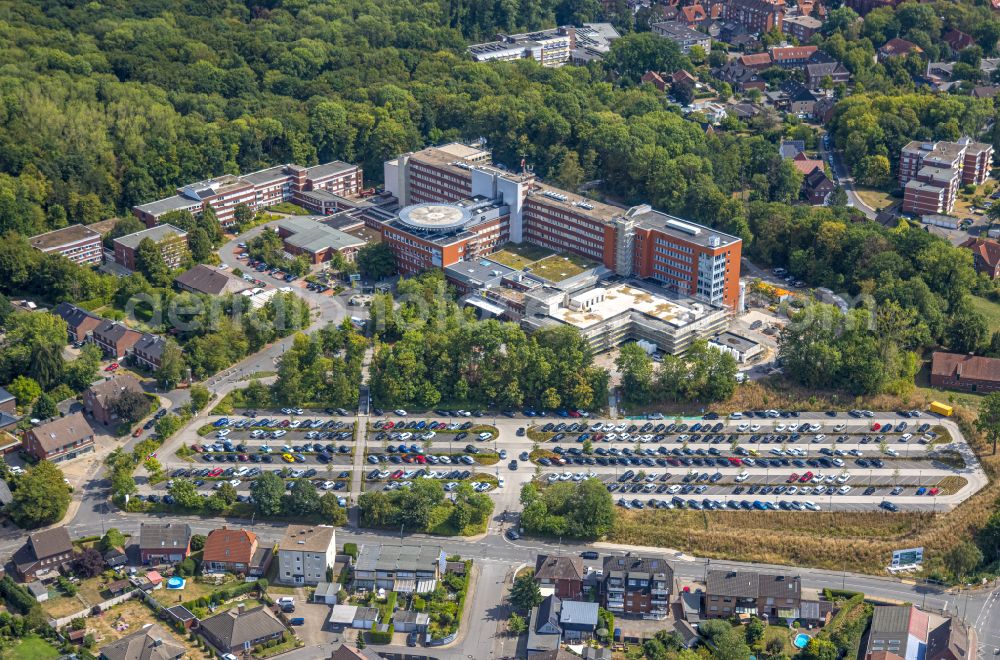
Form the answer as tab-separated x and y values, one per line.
225	424
419	425
382	475
715	505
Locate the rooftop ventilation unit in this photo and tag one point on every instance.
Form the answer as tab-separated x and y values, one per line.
683	226
586	205
555	195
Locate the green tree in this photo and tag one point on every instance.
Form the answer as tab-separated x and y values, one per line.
516	624
267	491
374	508
149	261
376	261
130	406
962	559
200	397
45	407
47	364
41	497
988	419
754	631
113	538
525	594
167	425
820	649
171	366
636	369
331	511
570	173
302	499
25	390
185	493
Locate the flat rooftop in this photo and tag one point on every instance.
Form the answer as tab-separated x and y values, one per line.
559	267
157	234
65	236
623	298
684	230
569	201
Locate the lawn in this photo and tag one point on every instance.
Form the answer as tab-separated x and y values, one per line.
989	309
559	267
782	633
191	591
31	647
132	615
517	256
60	606
877	199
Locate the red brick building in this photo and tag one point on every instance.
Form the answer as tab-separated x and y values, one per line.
965	372
756	15
115	338
637	586
79	322
932	172
320	188
985	255
235	551
171	241
99	399
562	574
77	243
61	439
164	543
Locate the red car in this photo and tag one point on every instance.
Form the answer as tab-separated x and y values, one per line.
396	475
111	367
136	433
573	413
876	426
420	459
389	424
806	477
934	491
735	461
216	472
792	479
196	449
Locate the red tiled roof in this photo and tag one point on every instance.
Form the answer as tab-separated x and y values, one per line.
792	53
806	165
693	13
969	367
899	46
755	59
986	249
230	546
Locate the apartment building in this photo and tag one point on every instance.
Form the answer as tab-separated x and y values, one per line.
684	36
403	568
114	338
561	575
757	16
801	27
637	586
304	554
79	244
100	398
171	241
730	593
79	322
931	173
320	188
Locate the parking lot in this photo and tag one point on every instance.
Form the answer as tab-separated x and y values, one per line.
750	456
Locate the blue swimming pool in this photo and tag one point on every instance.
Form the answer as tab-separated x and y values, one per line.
801	640
175	583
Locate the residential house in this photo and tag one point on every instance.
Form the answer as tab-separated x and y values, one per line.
801	27
684	36
791	148
305	553
61	439
79	322
45	553
578	620
958	40
817	73
152	642
741	77
182	616
235	551
744	111
793	57
99	399
897	631
6	497
805	164
757	16
563	654
756	61
114	338
560	574
971	373
209	280
78	243
799	99
171	241
692	15
544	632
239	628
985	255
8	404
817	186
731	593
897	47
147	353
655	79
404	568
949	641
823	109
985	91
345	652
637	586
164	543
410	621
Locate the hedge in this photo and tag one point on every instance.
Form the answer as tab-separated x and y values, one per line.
17	597
378	637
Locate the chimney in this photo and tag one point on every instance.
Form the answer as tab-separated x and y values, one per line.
241	608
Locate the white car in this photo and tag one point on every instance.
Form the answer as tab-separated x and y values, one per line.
815	427
280	433
400	412
221	433
819	437
741	477
779	428
839	427
812	506
754	428
844	490
905	437
234	482
842	479
792	490
485	435
743	428
891	452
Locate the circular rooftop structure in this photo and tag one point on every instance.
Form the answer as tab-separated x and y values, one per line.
434	217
